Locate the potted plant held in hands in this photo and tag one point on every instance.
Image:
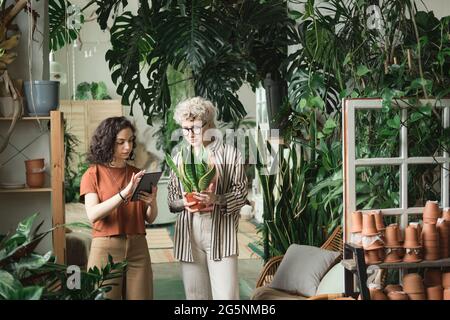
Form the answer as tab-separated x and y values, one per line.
194	172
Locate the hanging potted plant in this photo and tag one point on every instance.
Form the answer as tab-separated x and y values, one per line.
193	171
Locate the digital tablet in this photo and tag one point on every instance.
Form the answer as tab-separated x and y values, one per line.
146	183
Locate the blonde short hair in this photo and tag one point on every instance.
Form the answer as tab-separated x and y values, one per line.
196	108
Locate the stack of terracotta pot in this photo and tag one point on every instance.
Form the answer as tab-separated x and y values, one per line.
356	228
372	237
395	292
433	284
413	286
430	235
446	285
394	249
413	248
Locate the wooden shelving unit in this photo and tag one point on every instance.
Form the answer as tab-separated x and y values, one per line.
57	180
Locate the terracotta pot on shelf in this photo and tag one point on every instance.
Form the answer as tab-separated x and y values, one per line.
446	294
398	295
35	180
391	236
446	214
443	231
429	232
435	293
413	255
392	287
34	165
446	280
379	223
411	238
377	294
431	212
393	255
413	283
369	226
372	257
356	222
432	277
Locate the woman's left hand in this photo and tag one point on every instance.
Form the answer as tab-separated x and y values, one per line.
148	198
206	198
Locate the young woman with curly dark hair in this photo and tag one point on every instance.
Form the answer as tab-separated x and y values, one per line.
118	224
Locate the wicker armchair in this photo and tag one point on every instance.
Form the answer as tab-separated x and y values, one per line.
333	243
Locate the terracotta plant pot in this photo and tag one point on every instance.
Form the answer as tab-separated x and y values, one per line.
432	277
379	223
411	238
391	236
412	283
34	165
392	287
429	232
356	222
377	294
398	295
372	257
446	280
369	226
431	212
35	180
414	255
393	256
190	198
446	214
435	293
417	296
446	294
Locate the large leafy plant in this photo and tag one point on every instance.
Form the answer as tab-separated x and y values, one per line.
194	170
26	275
218	45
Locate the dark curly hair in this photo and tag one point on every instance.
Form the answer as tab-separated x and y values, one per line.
103	141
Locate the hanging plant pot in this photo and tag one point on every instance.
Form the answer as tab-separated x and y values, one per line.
42	97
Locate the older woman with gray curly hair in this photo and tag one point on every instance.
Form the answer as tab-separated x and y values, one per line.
206	240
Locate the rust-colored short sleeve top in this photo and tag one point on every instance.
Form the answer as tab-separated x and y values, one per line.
106	182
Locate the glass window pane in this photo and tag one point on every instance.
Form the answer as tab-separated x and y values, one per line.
377	187
377	133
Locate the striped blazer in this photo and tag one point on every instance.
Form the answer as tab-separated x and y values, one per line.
232	183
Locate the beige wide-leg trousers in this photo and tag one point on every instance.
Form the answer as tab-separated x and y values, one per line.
206	279
138	282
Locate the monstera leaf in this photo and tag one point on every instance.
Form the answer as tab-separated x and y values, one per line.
60	35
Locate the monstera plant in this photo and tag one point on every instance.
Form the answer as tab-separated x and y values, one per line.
193	170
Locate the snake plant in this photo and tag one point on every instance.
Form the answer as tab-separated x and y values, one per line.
193	170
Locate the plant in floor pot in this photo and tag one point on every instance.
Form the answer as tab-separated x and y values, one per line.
194	172
27	275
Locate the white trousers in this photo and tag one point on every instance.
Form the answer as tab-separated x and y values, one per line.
206	279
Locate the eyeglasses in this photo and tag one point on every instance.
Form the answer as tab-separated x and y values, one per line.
194	129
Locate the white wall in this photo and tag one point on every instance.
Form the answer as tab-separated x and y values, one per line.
15	207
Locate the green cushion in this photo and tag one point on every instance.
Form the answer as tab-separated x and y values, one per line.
332	281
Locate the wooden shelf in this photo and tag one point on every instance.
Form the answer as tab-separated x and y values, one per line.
28	118
25	190
350	264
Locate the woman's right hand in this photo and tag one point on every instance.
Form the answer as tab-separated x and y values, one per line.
135	178
188	205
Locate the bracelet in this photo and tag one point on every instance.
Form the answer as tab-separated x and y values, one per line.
122	197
